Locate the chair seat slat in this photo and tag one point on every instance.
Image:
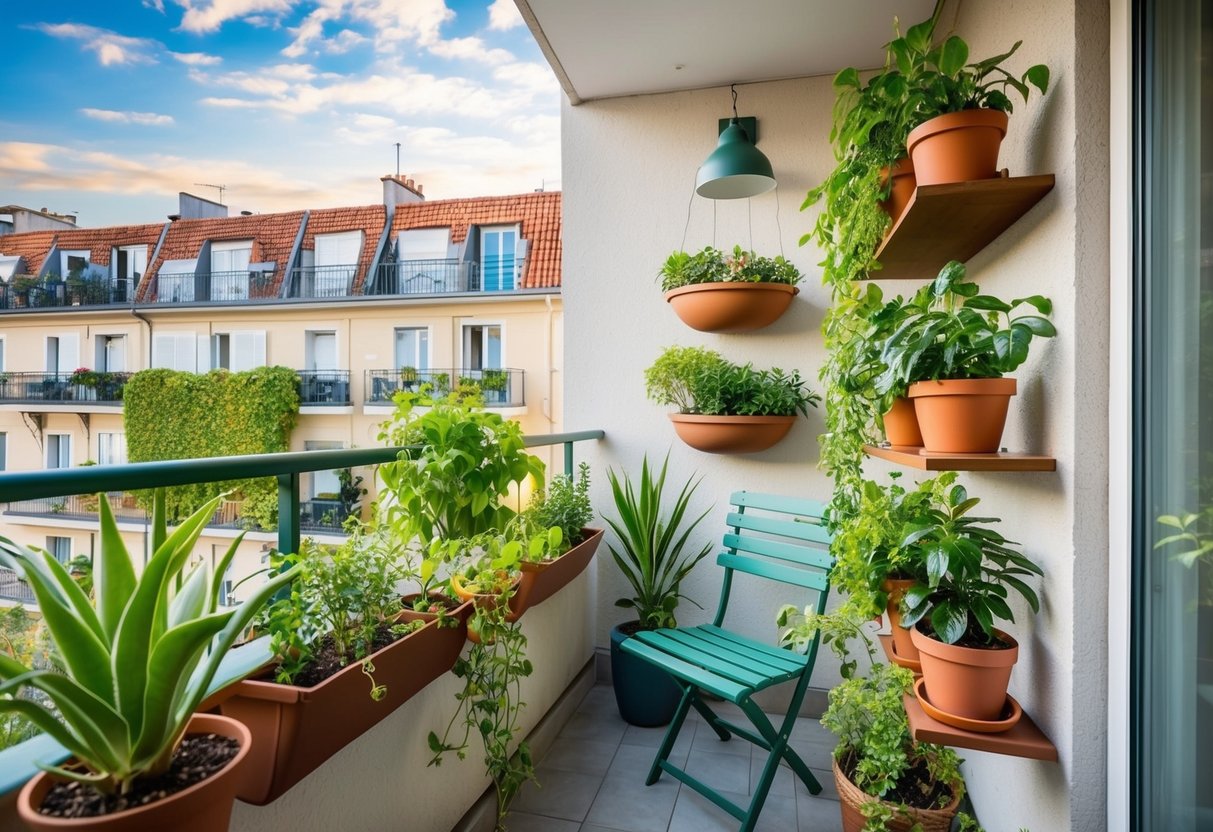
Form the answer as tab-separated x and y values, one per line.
772	656
724	688
720	663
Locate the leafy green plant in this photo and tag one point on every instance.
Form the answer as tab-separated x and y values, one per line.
408	374
969	571
951	331
456	481
350	492
1192	538
651	552
495	381
698	380
564	505
136	665
714	266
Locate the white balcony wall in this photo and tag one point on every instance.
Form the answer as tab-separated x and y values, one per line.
629	167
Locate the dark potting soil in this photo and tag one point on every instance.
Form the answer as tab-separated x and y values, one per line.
328	662
198	757
915	788
976	639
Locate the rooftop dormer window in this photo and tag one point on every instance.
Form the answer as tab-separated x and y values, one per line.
498	258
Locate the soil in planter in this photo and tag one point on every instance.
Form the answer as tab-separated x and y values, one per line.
630	628
198	757
915	788
328	662
975	640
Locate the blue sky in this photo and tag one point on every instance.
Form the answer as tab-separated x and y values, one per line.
110	108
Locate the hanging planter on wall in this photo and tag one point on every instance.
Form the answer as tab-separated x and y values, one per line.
731	434
716	292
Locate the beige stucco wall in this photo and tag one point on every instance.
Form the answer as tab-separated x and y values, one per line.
629	165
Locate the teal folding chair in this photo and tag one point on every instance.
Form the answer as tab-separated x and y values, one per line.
779	538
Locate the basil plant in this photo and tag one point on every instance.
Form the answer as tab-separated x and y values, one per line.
138	661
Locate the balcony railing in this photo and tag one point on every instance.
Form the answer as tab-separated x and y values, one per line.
322	516
102	388
53	294
321	387
212	287
322	282
14	588
499	388
426	277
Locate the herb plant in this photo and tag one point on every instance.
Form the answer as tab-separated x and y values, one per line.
714	266
138	662
698	380
652	553
564	505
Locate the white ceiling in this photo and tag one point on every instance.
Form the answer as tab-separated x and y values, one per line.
609	48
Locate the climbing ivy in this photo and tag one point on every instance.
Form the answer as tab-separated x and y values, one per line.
179	415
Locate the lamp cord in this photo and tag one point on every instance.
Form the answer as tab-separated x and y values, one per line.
749	217
733	90
687	225
778	227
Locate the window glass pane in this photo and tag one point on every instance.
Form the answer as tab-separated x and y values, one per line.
413	348
3	451
493	347
1173	642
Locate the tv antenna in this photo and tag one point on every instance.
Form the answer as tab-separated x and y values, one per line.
397	160
219	188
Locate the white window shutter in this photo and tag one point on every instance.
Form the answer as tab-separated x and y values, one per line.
69	352
247	349
163	347
199	348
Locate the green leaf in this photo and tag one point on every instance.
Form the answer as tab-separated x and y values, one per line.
114	576
1038	76
953	55
949	622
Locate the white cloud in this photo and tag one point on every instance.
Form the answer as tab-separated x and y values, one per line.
204	16
112	48
128	117
196	58
470	49
503	15
158	5
536	78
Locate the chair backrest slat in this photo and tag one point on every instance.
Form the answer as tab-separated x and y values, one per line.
776	502
775	571
800	554
784	528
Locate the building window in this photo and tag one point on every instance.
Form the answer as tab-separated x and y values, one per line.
111	354
498	258
334	264
230	269
111	448
413	347
60	548
482	347
3	451
177	351
62	353
58	450
239	350
130	262
321	350
73	262
324	486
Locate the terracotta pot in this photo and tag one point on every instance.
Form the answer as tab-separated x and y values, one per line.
296	729
962	416
408	614
902	643
969	682
851	797
730	307
540	581
957	147
904	183
731	434
901	424
203	807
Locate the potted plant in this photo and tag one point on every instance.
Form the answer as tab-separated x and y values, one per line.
563	505
135	665
960	108
654	559
84	381
723	407
343	660
970	571
953	349
714	292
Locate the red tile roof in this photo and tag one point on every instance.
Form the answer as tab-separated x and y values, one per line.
32	245
100	242
539	215
369	219
273	237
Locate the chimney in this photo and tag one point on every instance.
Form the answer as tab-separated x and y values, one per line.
398	190
192	207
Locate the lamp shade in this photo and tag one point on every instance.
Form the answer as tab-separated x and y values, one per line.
736	168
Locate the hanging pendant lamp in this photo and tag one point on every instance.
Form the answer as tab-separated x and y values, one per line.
736	169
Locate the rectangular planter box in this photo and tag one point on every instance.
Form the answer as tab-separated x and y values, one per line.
541	581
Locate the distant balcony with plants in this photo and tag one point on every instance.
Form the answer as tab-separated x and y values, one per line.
426	277
498	387
213	287
81	385
324	387
24	292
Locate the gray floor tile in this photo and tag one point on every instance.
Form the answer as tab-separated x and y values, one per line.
599	698
634	761
593	827
825	777
781	786
597	726
722	772
816	814
558	794
585	756
652	737
626	804
695	813
706	740
523	822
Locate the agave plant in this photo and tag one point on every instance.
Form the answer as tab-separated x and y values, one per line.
137	663
652	557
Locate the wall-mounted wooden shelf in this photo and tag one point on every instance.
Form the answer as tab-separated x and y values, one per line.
954	222
1024	740
930	461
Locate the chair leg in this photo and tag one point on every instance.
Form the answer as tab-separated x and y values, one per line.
709	716
671	734
802	770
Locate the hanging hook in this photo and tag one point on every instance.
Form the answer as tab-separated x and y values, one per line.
733	89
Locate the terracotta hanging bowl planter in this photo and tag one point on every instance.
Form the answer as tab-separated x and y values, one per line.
957	147
203	807
904	183
962	416
540	581
296	729
730	307
901	424
731	434
968	682
851	797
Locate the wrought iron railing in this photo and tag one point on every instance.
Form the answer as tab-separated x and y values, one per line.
21	293
321	387
97	387
318	515
213	287
322	282
499	388
426	277
14	588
